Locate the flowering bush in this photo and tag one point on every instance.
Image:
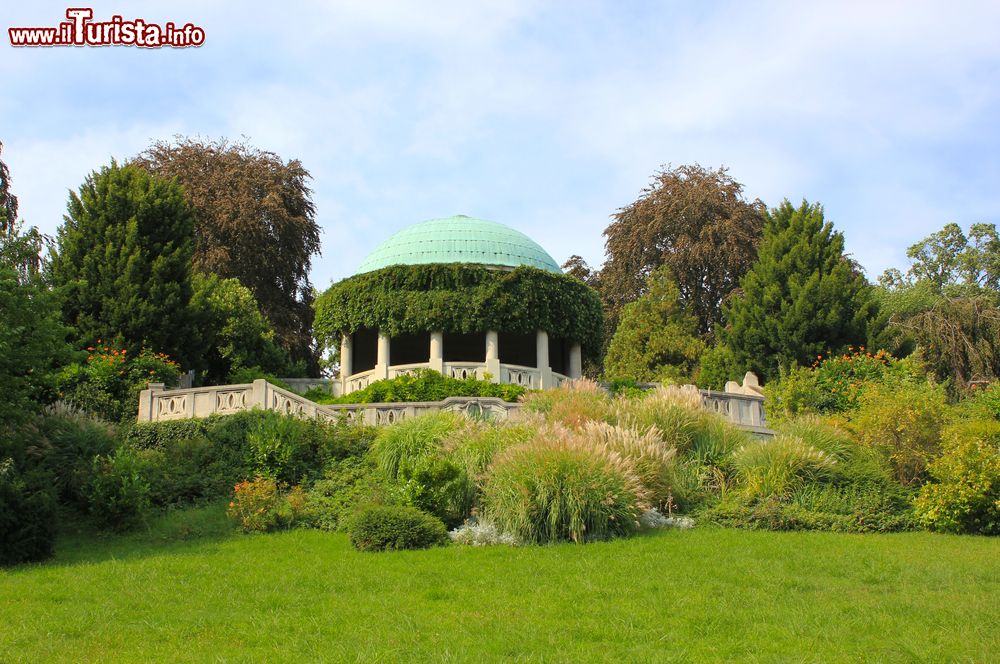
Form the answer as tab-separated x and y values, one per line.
108	382
259	505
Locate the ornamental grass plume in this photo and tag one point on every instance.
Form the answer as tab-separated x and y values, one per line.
676	412
557	488
572	403
651	459
775	468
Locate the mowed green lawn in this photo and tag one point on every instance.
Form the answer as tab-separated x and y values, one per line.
189	589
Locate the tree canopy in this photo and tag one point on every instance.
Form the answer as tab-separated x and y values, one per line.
695	221
802	297
656	338
123	262
255	222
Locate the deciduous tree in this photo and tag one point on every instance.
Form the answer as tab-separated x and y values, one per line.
695	221
255	222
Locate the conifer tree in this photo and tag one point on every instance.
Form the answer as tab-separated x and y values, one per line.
802	298
124	262
657	337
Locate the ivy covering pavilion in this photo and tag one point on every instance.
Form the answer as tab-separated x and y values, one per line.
466	297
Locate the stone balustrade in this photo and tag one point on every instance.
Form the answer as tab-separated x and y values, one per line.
744	408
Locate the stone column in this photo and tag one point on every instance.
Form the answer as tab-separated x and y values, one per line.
346	356
493	355
575	361
437	352
146	401
382	358
542	360
346	361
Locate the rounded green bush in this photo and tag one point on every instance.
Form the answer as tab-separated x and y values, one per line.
391	527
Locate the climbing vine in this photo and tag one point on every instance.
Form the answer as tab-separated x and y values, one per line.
457	297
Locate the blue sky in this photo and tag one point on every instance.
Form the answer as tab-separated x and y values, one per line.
543	116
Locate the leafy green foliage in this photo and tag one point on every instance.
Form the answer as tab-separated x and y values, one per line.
656	338
903	423
461	298
411	455
124	263
255	222
802	297
27	515
717	366
965	494
192	460
260	506
32	338
426	385
237	335
347	485
774	468
391	527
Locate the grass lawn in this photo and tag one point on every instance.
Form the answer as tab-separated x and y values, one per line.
189	589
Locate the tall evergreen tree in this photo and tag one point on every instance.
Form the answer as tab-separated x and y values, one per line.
802	297
124	260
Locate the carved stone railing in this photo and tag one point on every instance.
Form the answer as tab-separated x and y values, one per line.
157	404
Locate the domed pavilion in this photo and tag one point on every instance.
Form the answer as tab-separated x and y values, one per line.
466	297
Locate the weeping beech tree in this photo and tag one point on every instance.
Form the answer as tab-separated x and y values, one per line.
958	338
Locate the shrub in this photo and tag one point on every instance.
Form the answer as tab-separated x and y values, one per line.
402	444
903	423
676	412
474	447
982	403
259	506
717	366
774	468
426	385
411	455
70	443
117	494
188	460
555	489
285	448
387	528
965	496
27	516
572	403
346	484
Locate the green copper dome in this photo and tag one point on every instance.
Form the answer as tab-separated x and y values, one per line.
459	239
